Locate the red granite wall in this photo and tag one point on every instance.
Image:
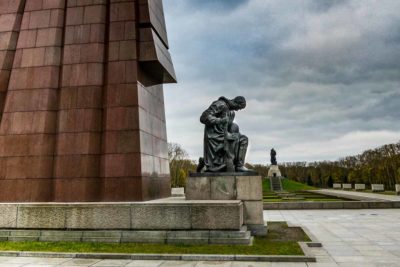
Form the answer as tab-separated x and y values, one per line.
78	151
82	108
28	124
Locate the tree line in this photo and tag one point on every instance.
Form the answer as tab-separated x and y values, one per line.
374	166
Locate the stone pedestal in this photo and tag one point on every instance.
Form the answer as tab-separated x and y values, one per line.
377	187
178	192
231	186
347	186
337	186
359	186
274	171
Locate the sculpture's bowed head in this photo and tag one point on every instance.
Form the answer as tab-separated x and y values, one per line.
237	103
240	102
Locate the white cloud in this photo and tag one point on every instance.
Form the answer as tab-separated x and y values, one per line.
351	143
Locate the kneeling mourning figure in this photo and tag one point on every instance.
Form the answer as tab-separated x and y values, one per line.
224	146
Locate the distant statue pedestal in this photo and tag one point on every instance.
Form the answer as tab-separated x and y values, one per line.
274	171
274	176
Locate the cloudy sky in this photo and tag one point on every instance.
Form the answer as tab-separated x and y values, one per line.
321	77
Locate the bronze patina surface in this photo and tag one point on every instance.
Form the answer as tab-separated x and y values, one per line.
224	146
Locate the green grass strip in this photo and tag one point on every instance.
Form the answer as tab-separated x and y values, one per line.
281	240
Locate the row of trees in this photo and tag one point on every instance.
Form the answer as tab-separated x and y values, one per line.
374	166
380	165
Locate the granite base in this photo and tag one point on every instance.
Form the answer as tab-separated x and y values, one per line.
246	187
170	220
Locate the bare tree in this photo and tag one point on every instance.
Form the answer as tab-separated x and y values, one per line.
179	164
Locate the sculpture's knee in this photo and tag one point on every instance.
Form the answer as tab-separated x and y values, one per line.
234	128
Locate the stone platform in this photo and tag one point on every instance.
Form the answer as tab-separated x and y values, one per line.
246	187
240	237
166	220
164	214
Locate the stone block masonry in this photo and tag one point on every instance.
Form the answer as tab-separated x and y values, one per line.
81	100
347	186
231	186
170	220
166	214
377	187
359	186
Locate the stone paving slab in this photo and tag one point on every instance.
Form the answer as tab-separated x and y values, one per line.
349	237
364	204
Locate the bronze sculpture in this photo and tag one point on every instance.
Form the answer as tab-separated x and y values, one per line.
273	157
224	146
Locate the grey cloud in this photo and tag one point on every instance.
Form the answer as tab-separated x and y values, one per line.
386	108
324	5
215	5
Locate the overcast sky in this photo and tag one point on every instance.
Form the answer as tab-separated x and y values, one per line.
321	77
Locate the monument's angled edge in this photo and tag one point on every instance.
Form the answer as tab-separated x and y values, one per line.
81	101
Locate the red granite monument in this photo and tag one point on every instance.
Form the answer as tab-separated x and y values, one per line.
81	100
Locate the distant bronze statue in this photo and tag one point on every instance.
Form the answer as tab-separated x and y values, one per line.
224	146
273	157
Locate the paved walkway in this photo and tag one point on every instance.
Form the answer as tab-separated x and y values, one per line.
360	194
47	262
349	237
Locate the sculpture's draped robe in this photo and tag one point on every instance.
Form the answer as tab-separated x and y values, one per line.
218	145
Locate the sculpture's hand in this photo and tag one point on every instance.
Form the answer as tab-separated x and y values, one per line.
231	116
229	136
223	120
232	136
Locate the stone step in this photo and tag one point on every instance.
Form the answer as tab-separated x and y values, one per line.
286	194
239	237
234	241
243	233
276	184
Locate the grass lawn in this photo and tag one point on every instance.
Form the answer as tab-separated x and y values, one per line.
297	192
288	185
281	240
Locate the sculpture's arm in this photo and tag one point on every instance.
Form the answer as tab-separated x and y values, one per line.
209	116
